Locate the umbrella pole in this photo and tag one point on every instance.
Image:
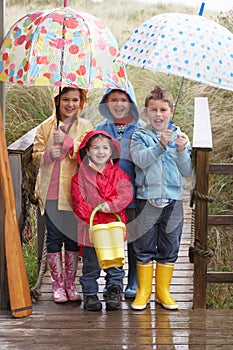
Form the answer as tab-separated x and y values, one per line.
182	79
58	107
178	95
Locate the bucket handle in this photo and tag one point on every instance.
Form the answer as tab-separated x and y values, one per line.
95	211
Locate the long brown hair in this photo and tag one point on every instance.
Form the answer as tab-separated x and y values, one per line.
83	99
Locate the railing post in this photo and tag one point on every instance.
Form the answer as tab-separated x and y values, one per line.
202	144
201	229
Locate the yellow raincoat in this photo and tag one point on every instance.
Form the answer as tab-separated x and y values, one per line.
68	165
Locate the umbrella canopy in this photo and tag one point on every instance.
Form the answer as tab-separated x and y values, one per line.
61	47
189	46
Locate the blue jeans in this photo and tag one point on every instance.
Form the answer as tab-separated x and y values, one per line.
56	235
91	272
161	242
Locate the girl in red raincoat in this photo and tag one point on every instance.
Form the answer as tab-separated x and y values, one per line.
99	181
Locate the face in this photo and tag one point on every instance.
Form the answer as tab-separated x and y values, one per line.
159	114
100	152
118	104
69	104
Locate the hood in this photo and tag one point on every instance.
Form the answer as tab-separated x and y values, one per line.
82	152
104	110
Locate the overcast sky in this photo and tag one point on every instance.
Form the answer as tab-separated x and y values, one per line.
213	5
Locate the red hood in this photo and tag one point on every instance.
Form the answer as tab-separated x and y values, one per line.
82	152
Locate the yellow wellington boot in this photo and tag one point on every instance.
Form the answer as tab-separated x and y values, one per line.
145	276
163	277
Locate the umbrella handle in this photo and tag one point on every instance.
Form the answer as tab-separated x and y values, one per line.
170	144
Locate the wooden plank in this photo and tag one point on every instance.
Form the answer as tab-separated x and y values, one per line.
220	277
19	292
220	220
221	169
124	329
4	294
16	173
24	143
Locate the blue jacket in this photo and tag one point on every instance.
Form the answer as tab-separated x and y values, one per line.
108	125
160	173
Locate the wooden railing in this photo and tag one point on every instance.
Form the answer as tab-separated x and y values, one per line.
202	145
20	156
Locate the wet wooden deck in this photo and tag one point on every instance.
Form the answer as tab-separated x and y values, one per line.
68	326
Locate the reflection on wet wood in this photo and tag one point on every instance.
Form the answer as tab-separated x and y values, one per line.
69	327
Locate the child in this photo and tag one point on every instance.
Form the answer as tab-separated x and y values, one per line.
54	151
122	119
99	181
160	179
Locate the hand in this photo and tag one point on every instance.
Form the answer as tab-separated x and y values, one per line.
181	142
58	136
106	208
55	151
166	137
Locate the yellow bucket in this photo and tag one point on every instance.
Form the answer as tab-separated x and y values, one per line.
108	240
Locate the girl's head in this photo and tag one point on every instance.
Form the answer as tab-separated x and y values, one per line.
159	108
99	149
70	102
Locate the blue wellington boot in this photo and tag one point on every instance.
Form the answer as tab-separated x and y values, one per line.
130	290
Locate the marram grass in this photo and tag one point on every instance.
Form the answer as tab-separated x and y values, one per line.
27	107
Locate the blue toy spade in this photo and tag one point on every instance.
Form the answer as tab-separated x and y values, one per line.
170	125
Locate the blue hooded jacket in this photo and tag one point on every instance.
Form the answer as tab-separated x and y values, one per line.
108	125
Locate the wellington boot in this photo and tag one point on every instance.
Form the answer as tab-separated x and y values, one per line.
130	290
145	276
56	271
71	264
164	272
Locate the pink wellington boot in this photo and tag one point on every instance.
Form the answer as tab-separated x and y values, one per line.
71	264
56	271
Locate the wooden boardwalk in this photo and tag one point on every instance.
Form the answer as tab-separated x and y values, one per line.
68	326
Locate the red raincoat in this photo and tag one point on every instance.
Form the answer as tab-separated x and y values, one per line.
90	188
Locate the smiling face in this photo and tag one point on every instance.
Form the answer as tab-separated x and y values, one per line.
100	151
159	114
119	104
69	104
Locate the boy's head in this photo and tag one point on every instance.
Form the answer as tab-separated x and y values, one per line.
159	108
119	104
159	93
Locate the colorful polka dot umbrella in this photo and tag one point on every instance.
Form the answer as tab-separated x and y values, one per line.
61	47
189	46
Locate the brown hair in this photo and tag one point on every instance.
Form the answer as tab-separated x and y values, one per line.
117	90
98	136
159	93
83	95
114	156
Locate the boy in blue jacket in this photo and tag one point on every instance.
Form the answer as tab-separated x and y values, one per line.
120	109
160	178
